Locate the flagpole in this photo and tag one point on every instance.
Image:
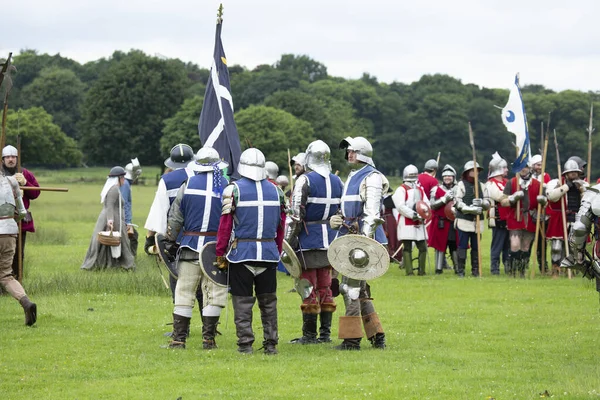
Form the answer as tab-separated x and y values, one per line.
539	206
476	182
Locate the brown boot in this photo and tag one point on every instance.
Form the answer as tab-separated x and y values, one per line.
209	331
181	326
30	310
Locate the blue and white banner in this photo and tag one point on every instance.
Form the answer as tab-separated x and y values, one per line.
216	126
515	120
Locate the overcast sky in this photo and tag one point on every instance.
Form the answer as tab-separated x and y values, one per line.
553	43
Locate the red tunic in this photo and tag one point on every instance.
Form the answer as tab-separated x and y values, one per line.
427	182
527	221
438	237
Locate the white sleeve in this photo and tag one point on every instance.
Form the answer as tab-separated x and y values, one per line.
157	217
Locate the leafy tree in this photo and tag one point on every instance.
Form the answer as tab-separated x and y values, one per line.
183	126
303	67
273	132
60	92
42	141
254	87
124	109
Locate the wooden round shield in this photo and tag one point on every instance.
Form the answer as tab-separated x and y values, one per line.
448	212
358	257
423	210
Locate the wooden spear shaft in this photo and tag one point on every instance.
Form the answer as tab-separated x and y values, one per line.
476	182
562	199
539	206
590	130
20	235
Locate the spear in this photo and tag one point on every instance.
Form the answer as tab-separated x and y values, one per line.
20	234
562	202
7	68
476	181
539	206
590	130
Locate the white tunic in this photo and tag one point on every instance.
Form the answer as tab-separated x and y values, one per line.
405	206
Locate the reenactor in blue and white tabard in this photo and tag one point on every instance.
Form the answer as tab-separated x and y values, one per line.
315	198
254	211
194	218
361	213
168	186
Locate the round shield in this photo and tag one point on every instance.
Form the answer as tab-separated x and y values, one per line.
290	260
208	263
448	212
358	257
423	210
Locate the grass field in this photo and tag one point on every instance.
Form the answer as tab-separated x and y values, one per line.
99	334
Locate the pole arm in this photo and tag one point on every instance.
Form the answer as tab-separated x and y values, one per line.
590	130
476	182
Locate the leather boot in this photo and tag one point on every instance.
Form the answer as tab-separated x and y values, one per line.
30	310
267	302
524	264
309	330
462	260
181	326
209	331
378	341
407	261
242	316
349	344
325	329
454	255
555	271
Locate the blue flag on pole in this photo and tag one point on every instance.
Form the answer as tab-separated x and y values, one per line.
515	120
216	126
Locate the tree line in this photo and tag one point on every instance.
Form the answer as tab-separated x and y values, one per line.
133	104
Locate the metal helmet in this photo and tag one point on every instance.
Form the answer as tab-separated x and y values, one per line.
206	159
252	164
582	164
535	159
571	166
448	170
317	158
469	166
362	148
282	181
117	171
272	170
430	165
180	156
410	173
299	159
496	165
10	151
133	169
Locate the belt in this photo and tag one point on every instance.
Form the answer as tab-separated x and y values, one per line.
254	240
191	233
7	217
3	235
321	222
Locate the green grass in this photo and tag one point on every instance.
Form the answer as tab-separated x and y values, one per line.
99	334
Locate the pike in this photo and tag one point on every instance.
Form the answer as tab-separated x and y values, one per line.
590	130
539	206
476	181
20	224
562	203
7	68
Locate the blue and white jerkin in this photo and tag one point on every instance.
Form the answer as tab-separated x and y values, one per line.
257	216
323	202
173	181
515	120
201	209
352	205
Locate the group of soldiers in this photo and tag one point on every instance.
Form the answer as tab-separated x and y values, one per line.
220	237
510	206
